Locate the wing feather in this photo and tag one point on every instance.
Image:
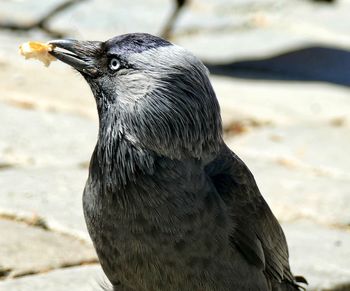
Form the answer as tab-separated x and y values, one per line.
257	233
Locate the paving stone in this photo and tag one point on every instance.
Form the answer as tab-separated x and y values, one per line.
55	194
245	29
109	19
313	146
49	154
84	278
295	193
300	169
27	249
280	103
38	138
320	254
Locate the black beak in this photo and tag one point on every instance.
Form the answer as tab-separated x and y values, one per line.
81	55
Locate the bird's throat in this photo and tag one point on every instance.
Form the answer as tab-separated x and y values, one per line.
116	161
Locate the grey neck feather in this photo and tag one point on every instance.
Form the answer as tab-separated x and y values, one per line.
116	161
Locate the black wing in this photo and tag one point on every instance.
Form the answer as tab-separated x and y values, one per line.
257	233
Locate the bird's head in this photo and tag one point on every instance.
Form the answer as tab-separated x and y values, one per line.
155	94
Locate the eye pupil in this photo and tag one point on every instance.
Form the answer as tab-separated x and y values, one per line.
114	64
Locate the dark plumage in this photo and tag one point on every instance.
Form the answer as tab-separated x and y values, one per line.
167	204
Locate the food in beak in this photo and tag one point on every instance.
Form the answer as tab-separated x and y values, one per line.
37	50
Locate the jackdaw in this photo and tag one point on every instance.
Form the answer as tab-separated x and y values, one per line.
168	205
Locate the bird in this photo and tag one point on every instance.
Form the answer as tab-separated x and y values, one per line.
167	204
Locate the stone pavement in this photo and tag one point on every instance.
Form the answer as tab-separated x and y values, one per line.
293	135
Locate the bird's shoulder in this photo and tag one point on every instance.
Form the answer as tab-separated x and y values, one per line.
256	232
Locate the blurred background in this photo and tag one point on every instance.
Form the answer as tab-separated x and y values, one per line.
281	71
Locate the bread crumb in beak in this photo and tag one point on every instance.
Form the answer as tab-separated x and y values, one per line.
37	50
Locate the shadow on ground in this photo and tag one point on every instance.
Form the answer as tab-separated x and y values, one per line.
314	63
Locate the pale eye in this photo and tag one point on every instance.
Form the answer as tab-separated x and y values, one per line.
114	64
